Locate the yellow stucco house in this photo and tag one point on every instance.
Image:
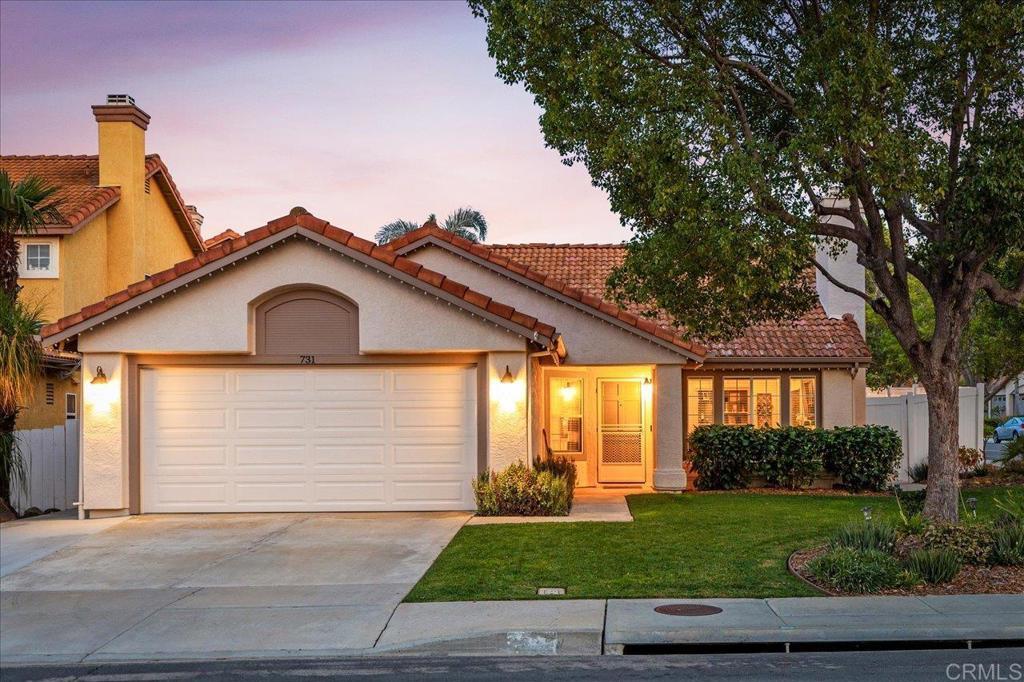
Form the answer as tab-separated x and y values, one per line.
123	219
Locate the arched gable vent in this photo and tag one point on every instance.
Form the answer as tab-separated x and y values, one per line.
307	322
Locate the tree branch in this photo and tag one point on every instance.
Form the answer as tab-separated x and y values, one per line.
845	287
1000	294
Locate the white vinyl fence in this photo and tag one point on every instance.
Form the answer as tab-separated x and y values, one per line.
908	416
51	468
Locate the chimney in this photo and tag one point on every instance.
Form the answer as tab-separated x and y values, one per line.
122	164
197	217
843	266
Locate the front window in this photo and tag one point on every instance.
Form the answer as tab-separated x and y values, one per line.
37	257
700	402
565	398
752	401
803	402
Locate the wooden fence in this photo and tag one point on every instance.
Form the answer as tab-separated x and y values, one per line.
51	468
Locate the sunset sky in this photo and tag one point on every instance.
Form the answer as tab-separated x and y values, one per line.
360	112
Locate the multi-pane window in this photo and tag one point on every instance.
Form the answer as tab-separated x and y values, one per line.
565	399
37	257
752	401
700	402
803	402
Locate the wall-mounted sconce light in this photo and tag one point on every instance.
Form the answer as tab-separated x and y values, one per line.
100	377
647	388
507	377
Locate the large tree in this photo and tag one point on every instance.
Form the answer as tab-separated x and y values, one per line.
721	129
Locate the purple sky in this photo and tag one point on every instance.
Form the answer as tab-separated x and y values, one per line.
361	112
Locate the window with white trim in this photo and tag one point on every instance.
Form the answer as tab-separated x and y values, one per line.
37	259
700	402
71	406
754	401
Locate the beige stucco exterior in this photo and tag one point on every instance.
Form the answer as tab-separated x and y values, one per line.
105	434
214	315
840	404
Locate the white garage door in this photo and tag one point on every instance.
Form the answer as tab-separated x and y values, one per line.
308	439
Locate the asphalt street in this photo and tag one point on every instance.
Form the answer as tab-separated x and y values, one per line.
959	665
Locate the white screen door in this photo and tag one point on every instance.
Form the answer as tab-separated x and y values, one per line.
620	431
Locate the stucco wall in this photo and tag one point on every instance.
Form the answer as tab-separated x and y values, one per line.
105	433
214	315
83	264
165	242
508	427
837	399
590	341
668	428
46	293
37	414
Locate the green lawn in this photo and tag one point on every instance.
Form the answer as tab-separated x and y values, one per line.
690	545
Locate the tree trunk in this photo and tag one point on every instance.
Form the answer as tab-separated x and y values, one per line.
7	423
8	262
943	496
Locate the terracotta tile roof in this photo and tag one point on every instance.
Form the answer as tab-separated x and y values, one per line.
222	237
386	259
572	279
81	198
588	266
76	177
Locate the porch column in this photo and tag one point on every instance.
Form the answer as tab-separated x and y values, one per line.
668	428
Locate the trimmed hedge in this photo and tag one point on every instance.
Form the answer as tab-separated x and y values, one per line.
728	457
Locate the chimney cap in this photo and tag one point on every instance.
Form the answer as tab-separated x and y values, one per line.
121	99
120	109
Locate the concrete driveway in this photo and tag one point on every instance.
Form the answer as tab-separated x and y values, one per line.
181	586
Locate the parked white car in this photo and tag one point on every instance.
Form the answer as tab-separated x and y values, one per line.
1011	429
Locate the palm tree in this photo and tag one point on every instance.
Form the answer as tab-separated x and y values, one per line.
20	363
24	206
465	222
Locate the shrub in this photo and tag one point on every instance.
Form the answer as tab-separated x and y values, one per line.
969	459
1011	506
934	565
790	457
864	457
725	457
853	570
865	535
1014	452
919	472
1008	545
518	490
972	543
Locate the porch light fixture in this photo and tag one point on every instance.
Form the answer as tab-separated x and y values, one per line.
568	392
647	388
507	377
100	377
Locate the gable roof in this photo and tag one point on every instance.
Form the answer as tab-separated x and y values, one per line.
303	225
813	335
554	284
583	270
82	199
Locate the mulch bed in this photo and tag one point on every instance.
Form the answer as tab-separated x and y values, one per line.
970	580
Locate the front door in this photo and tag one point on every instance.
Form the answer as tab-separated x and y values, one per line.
620	431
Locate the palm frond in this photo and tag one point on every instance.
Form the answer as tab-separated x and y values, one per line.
20	352
12	462
394	230
467	222
27	204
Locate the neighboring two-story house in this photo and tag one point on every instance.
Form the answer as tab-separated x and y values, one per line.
123	219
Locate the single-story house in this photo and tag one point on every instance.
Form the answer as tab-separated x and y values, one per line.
300	367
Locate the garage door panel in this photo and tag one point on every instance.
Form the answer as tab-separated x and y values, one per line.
321	439
260	383
349	417
270	419
173	457
333	455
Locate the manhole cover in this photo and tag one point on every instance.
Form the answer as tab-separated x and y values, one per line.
687	610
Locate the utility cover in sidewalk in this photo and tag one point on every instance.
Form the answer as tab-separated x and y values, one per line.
687	610
550	591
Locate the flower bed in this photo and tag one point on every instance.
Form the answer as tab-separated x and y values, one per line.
546	489
918	557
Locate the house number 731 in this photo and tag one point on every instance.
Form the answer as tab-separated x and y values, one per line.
307	359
